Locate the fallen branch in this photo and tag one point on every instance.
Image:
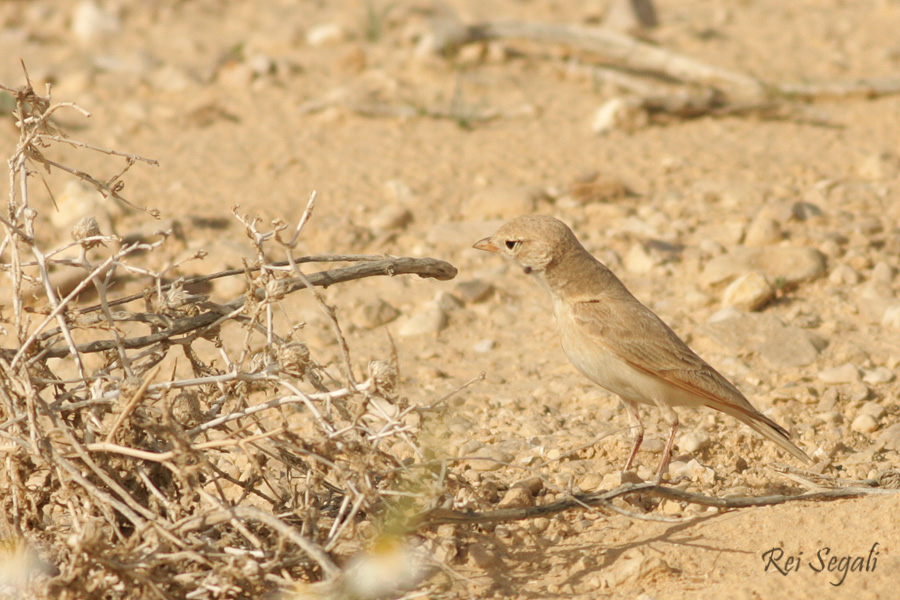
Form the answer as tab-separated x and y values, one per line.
441	516
866	88
423	267
621	49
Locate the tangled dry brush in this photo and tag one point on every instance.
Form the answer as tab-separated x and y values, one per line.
163	445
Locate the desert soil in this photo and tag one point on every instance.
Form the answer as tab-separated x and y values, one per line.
258	104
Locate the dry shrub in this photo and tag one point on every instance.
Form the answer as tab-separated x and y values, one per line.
136	466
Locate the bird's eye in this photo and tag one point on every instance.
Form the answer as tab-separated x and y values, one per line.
512	244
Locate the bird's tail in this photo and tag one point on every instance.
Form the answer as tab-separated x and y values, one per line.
769	429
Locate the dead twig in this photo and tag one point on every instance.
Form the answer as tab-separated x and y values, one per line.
441	516
423	267
624	50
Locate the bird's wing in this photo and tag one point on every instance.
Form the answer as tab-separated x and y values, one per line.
638	337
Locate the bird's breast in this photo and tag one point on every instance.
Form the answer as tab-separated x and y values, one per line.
597	360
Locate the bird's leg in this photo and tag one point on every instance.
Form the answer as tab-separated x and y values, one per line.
634	418
672	417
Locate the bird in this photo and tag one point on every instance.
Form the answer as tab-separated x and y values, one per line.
616	341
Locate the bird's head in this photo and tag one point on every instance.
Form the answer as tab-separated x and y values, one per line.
534	242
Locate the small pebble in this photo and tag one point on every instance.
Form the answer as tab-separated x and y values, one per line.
749	292
875	299
321	35
619	113
830	417
494	459
539	525
91	22
693	441
864	424
891	316
397	191
591	482
484	346
654	445
533	484
516	497
693	470
846	373
890	437
873	409
638	260
881	165
883	272
762	231
671	507
844	275
878	375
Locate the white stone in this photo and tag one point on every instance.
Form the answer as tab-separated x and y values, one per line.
878	375
845	373
489	458
874	299
693	470
749	292
671	507
516	497
762	231
692	441
638	260
873	409
830	417
891	316
883	272
396	190
483	346
619	113
328	33
890	437
90	22
864	424
881	165
844	275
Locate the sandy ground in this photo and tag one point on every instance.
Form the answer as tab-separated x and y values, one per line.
257	104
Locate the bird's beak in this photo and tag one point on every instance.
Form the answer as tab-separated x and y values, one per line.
487	245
